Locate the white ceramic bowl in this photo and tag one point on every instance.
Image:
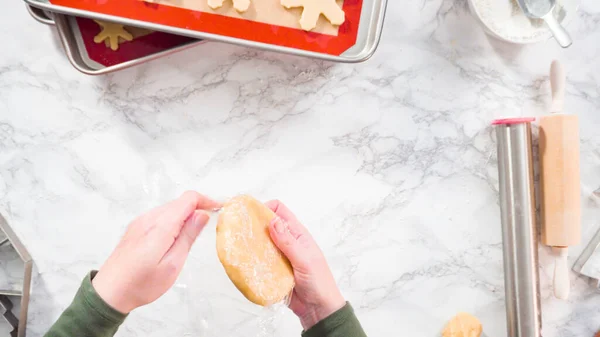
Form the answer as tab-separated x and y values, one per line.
541	34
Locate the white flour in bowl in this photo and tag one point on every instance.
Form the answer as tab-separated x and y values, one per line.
505	19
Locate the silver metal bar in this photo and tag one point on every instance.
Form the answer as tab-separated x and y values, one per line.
40	15
519	234
25	297
3	242
9	292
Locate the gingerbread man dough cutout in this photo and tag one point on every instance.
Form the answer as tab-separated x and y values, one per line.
112	32
313	9
239	5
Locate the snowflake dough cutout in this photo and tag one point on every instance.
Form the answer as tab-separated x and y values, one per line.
239	5
313	9
112	32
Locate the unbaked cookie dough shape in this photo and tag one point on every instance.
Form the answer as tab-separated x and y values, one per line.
463	325
312	9
251	260
112	32
239	5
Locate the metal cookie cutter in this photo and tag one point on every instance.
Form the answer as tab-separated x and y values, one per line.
588	263
14	296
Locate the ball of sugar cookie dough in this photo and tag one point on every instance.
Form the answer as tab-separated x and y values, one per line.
463	325
250	258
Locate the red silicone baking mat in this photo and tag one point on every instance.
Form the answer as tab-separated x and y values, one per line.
144	43
229	26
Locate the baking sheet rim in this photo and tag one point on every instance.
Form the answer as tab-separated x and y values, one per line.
39	17
72	47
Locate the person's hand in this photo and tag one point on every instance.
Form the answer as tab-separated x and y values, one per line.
152	252
316	294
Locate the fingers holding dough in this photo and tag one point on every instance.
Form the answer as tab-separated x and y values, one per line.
251	260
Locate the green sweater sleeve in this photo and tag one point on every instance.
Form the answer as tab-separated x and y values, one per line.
342	323
87	316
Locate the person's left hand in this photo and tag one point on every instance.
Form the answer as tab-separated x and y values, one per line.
152	252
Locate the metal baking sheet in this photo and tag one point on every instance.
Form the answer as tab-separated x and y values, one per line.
356	41
73	41
40	15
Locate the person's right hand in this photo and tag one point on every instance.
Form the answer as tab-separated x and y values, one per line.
316	294
152	252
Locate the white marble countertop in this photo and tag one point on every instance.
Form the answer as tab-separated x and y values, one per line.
389	160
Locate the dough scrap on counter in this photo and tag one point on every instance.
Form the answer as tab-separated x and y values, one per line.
312	9
239	5
250	258
463	325
112	32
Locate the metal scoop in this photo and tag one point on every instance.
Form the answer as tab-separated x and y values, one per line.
544	9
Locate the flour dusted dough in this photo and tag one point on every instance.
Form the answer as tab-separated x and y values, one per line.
239	5
313	9
251	260
463	325
111	32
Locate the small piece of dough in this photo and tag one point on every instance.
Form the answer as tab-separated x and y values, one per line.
463	325
250	258
313	9
239	5
112	32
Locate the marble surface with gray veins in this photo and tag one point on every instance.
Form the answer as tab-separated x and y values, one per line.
390	163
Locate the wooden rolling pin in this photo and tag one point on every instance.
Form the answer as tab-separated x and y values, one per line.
560	178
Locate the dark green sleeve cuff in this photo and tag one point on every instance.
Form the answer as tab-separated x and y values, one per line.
102	312
342	323
88	315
